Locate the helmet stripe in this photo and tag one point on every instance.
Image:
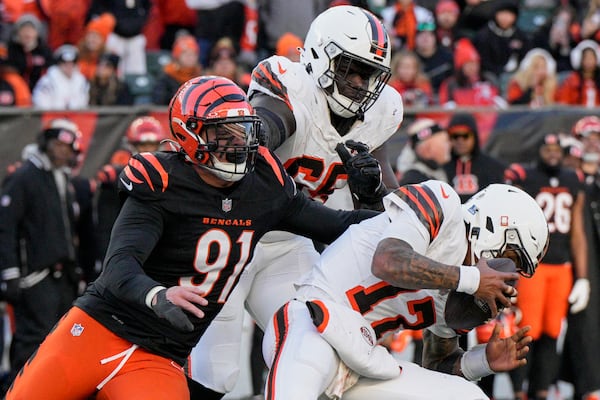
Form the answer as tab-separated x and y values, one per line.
379	43
207	93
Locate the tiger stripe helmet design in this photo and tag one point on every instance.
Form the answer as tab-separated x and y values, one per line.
342	41
215	126
146	129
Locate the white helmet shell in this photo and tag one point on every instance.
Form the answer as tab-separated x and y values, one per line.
503	216
355	35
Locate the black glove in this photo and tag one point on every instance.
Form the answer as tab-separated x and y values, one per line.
172	313
10	290
364	172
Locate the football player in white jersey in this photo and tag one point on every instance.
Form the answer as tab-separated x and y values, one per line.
395	271
336	94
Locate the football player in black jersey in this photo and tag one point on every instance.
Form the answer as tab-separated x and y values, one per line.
188	226
544	299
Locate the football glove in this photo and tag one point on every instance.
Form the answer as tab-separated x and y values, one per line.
172	313
364	172
580	295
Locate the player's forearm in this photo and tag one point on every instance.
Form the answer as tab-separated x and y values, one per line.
396	262
442	355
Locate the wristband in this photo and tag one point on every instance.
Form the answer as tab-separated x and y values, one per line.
151	293
468	281
474	364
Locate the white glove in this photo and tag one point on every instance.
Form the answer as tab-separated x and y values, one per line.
580	295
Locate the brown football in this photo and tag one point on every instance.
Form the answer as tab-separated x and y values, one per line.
464	312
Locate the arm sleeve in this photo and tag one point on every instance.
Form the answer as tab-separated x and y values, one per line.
278	121
312	219
136	231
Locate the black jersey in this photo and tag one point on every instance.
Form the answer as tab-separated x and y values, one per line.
174	229
556	195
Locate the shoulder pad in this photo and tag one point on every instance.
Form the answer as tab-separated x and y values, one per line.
145	176
267	75
279	171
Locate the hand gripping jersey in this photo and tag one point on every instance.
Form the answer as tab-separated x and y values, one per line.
309	154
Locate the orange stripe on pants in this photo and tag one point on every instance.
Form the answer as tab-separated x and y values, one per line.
543	299
68	366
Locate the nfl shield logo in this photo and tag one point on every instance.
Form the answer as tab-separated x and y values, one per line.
226	205
77	330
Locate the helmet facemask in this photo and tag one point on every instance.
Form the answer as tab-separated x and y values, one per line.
512	248
340	81
227	148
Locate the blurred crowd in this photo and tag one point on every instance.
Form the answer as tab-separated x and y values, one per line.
448	53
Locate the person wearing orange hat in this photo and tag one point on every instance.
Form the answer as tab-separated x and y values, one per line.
183	66
447	13
468	87
92	45
288	45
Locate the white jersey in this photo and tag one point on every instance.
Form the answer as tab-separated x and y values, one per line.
341	307
428	217
309	154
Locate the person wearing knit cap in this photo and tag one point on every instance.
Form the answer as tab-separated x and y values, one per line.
27	49
582	85
447	13
184	65
535	82
288	45
468	87
501	43
437	60
92	44
428	142
469	169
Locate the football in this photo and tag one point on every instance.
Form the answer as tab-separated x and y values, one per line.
464	312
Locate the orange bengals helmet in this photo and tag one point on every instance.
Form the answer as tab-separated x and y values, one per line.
215	126
586	125
145	130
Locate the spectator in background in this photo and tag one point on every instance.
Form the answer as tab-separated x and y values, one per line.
127	39
174	16
559	36
93	43
183	66
590	26
436	60
544	299
409	80
39	207
401	20
63	87
469	169
534	84
428	150
446	17
217	19
582	86
65	20
468	87
14	91
501	44
106	88
27	49
289	45
223	63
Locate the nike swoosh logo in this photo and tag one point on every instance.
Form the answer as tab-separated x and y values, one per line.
128	185
281	69
444	194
